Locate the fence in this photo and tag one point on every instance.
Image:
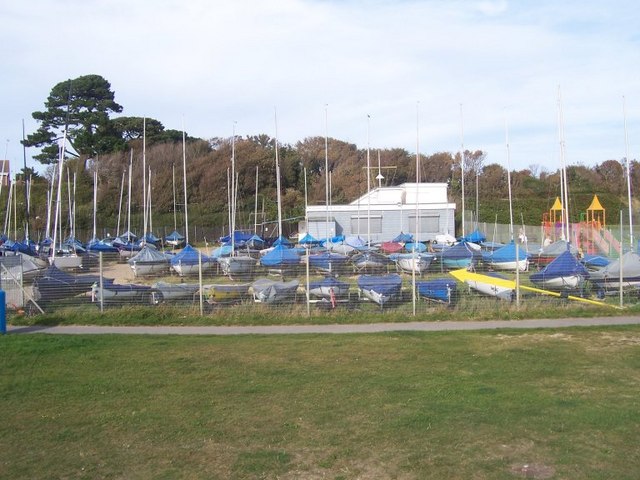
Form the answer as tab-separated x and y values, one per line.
299	284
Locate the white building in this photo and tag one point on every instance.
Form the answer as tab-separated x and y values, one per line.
385	212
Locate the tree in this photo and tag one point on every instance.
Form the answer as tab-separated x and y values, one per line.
82	107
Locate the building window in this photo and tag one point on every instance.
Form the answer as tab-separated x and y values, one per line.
427	223
359	224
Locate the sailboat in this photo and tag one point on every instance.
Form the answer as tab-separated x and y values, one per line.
381	289
235	266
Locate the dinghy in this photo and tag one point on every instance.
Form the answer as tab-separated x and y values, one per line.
412	262
165	292
565	272
439	289
381	289
490	288
269	291
149	261
607	279
504	258
225	292
188	261
329	288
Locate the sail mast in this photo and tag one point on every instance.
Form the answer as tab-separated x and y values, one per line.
462	166
626	149
184	167
278	176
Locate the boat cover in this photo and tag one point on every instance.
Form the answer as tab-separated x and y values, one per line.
475	237
280	256
188	256
390	284
504	254
403	238
441	289
149	254
564	265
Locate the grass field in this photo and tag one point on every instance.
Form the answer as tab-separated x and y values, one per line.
451	405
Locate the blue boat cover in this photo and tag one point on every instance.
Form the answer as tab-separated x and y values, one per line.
174	237
419	246
327	259
441	289
308	239
239	237
475	237
504	254
383	284
280	256
595	260
459	251
403	238
188	256
328	282
282	241
564	265
223	251
96	245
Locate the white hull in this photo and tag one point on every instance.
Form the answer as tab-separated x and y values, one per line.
341	248
237	266
420	264
149	269
376	297
521	265
503	293
172	292
568	282
328	292
120	296
67	262
184	269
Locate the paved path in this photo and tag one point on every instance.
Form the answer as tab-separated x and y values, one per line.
334	328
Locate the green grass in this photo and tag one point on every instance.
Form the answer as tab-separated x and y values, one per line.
248	313
454	405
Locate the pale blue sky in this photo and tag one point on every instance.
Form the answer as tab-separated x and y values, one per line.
214	62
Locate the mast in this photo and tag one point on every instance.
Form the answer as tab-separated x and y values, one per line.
326	172
506	128
184	167
626	149
563	166
462	165
120	204
415	260
255	208
26	189
368	184
173	184
95	202
232	217
144	178
129	199
278	176
57	213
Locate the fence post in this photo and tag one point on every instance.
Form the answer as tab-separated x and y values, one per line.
3	313
200	282
101	285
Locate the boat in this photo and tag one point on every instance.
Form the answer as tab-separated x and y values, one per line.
565	272
330	288
111	292
442	290
225	292
381	289
504	258
54	284
163	292
280	258
607	279
552	251
269	291
149	261
460	255
189	261
328	262
370	260
412	262
391	247
491	288
175	240
238	267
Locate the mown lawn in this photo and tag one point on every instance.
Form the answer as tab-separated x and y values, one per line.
454	405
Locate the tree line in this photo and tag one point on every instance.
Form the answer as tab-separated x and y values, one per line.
82	111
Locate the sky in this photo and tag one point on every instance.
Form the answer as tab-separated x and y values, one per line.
428	75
